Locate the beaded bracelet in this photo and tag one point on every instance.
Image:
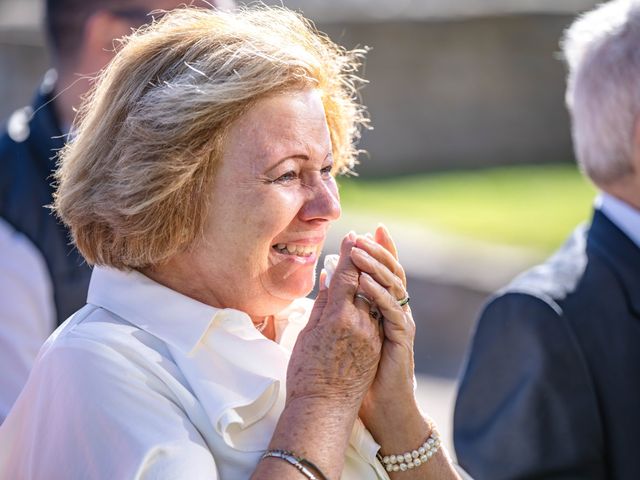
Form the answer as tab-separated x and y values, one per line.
299	463
410	460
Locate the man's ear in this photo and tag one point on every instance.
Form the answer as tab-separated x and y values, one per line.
627	188
635	152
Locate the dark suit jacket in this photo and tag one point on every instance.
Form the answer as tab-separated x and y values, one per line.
552	383
27	162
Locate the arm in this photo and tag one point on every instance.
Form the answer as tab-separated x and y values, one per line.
526	407
27	315
78	419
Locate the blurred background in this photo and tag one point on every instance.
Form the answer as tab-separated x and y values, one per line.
469	162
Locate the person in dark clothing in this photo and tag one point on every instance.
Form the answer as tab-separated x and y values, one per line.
552	382
43	279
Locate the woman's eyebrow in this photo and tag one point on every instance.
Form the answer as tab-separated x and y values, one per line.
298	156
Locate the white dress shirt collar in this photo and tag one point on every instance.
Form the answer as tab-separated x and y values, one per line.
151	307
176	319
623	215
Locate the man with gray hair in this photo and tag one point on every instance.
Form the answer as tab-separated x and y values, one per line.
43	279
552	384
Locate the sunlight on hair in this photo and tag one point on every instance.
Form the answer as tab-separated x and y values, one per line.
134	183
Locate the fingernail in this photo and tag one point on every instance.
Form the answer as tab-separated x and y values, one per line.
323	280
352	236
368	235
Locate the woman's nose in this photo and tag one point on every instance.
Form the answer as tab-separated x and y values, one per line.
323	202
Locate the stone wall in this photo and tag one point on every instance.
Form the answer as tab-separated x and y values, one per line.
462	93
367	11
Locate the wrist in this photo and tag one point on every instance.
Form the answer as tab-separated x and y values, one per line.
410	459
383	419
417	454
316	429
327	412
397	427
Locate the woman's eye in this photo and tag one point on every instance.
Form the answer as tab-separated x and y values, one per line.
326	171
287	177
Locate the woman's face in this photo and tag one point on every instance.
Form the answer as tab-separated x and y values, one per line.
272	202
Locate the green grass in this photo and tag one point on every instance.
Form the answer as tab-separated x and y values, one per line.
531	206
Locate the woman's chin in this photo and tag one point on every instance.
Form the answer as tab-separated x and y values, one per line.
299	291
294	278
293	288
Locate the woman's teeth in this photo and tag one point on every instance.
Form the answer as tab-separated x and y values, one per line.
299	250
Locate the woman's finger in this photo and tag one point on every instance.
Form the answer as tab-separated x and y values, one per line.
396	318
363	302
319	303
378	271
344	281
382	255
383	237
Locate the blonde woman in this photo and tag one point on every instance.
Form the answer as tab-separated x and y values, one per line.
201	186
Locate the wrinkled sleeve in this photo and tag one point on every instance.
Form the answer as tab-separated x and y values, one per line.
526	405
86	412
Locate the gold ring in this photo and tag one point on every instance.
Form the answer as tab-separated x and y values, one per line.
403	301
364	298
373	310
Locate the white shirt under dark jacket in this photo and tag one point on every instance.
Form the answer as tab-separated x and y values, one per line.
144	382
623	215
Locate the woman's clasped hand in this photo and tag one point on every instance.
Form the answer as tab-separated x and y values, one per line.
355	356
363	347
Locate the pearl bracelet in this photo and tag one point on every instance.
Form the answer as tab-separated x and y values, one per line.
410	460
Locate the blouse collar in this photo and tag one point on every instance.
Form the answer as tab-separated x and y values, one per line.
174	318
237	375
179	320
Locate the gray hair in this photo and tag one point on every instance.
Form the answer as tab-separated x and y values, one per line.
602	50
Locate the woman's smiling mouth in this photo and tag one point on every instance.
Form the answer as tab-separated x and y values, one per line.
293	249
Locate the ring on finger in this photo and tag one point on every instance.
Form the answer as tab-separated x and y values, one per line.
373	310
404	300
364	298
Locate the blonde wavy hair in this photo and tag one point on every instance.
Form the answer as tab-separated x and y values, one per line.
134	184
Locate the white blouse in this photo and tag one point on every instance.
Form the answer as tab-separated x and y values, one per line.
144	382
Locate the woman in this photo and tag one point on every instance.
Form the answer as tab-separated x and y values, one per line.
200	185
